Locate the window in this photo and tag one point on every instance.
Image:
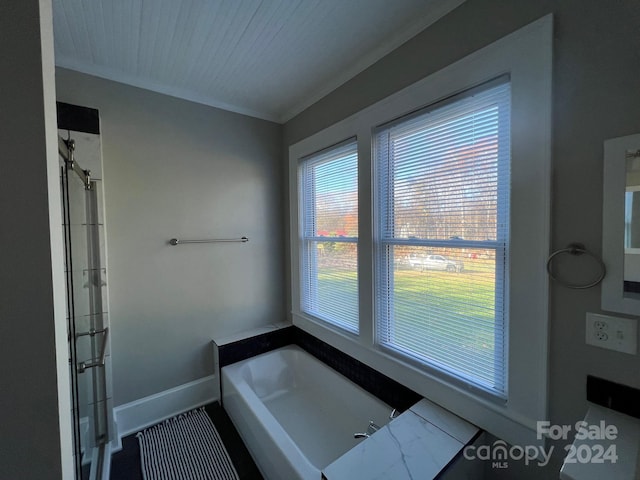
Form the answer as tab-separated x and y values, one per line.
443	217
329	244
450	294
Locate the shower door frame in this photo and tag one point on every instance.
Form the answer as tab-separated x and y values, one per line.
96	448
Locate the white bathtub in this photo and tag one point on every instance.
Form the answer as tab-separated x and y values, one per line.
295	414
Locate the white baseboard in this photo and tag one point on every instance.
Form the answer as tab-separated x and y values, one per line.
144	412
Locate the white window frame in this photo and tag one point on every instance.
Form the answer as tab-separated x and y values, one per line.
526	56
385	277
306	241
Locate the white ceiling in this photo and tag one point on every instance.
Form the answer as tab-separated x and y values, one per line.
266	58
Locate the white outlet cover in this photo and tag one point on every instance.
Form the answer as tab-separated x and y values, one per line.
613	333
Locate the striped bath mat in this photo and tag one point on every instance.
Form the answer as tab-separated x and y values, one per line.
186	447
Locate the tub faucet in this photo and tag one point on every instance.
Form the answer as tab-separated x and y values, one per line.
372	428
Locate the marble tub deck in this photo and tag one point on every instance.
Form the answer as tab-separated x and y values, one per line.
420	443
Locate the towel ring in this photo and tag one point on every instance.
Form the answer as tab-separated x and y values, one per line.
576	249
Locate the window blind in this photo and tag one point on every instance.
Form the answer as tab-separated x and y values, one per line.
329	235
443	227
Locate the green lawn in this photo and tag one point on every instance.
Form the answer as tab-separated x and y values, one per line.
427	304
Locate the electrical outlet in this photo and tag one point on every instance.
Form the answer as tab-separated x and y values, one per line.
600	336
614	333
600	325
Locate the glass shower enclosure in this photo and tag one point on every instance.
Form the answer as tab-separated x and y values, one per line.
88	328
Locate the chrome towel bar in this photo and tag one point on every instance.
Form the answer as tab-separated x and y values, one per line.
175	241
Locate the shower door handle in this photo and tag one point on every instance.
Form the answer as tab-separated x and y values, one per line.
92	363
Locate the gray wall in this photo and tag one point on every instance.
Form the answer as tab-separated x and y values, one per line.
35	421
596	96
173	168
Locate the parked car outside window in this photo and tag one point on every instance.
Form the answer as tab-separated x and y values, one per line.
435	262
